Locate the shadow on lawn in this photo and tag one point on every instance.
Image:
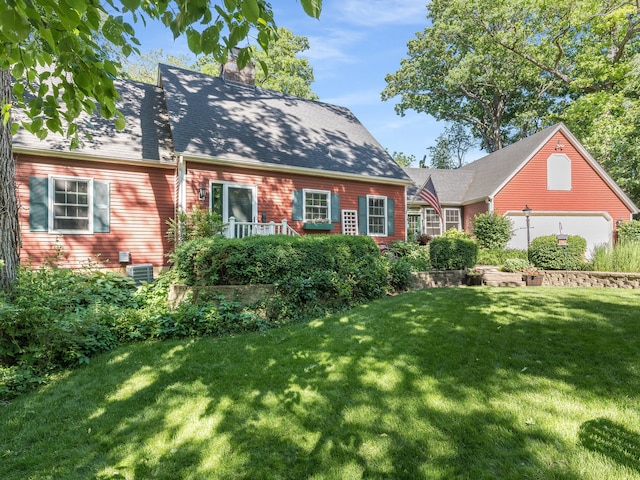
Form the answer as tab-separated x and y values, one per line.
611	440
410	387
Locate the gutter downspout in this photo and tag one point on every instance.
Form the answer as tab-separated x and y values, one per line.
181	186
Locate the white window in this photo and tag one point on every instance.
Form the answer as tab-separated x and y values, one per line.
413	223
452	219
317	205
433	225
71	205
558	172
377	215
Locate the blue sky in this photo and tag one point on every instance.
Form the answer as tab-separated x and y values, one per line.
354	44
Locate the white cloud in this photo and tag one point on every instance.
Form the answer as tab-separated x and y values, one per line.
372	13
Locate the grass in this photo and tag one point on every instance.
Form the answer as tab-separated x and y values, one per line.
444	383
624	257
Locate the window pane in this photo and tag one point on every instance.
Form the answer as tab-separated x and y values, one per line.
432	219
377	216
452	218
71	205
316	206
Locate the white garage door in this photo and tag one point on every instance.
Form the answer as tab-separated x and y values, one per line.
596	229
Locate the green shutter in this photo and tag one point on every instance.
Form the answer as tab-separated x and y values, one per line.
363	207
391	230
335	207
38	204
297	206
101	207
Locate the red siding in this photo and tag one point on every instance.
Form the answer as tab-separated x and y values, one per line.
275	192
588	191
141	202
470	211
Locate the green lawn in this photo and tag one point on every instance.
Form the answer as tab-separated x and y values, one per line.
534	383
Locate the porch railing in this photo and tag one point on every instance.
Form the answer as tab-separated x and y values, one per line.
235	229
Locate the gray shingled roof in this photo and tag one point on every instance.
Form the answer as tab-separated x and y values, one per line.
214	119
482	178
494	169
146	136
451	185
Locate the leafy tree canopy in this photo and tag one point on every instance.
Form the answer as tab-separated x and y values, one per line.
507	69
280	68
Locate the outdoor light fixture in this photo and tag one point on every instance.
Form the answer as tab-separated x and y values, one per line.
559	146
202	193
527	213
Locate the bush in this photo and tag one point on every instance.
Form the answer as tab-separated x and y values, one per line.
453	252
629	231
400	273
499	256
623	257
545	253
198	223
415	254
492	231
515	265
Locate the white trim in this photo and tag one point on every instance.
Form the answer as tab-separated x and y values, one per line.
51	200
225	197
72	155
304	202
182	185
444	218
270	167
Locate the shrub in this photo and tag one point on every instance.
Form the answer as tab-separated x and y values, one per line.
492	231
515	265
623	257
400	273
545	253
629	231
198	223
453	252
499	256
416	255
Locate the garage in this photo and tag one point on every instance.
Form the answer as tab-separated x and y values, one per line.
595	227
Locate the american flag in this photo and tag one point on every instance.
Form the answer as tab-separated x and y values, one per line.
429	195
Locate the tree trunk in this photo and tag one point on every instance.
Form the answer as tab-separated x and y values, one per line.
9	226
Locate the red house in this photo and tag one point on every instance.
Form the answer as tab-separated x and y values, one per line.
548	177
268	162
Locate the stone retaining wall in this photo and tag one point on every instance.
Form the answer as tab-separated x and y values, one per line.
444	278
568	278
244	294
556	278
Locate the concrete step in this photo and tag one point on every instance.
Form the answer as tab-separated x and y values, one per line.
496	278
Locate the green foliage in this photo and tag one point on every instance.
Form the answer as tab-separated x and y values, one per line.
400	273
515	265
507	69
492	231
403	160
453	251
629	231
545	253
198	223
623	257
416	255
311	274
499	256
280	69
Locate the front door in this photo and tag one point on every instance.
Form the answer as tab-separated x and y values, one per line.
240	204
234	200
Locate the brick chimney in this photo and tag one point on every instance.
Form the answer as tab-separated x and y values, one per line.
230	72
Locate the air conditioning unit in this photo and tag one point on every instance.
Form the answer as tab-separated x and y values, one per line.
142	272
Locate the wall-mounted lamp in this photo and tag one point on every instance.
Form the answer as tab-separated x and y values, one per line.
559	146
527	213
202	193
619	222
